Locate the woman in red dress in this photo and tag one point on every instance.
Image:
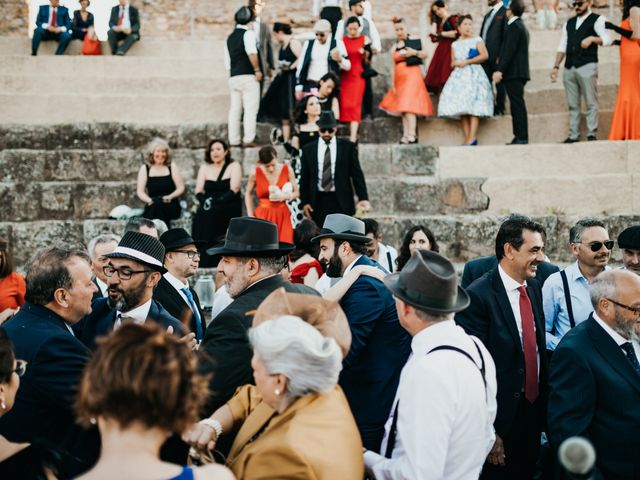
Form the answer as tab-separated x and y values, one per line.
407	97
303	261
351	81
12	284
446	33
275	184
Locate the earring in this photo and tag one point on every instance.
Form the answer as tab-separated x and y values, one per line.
277	392
92	421
3	406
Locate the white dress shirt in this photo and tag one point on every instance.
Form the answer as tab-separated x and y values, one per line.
102	286
494	11
178	285
599	27
126	19
512	19
46	25
322	148
319	63
387	257
445	416
250	45
619	339
138	315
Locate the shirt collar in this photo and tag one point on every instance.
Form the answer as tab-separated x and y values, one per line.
102	286
351	265
512	19
619	339
509	283
138	314
175	283
242	27
432	336
496	7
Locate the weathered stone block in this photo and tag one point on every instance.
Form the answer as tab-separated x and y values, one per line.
67	165
199	136
78	135
22	165
381	195
379	130
117	164
29	237
22	200
96	200
417	195
24	136
189	161
375	160
93	228
464	195
114	135
414	159
56	201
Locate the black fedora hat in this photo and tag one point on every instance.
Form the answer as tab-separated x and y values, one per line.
428	282
343	227
630	238
142	248
327	120
251	237
177	238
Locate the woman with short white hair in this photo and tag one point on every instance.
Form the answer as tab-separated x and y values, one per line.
295	421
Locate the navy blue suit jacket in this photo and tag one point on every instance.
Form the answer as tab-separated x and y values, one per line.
62	16
595	393
477	267
43	409
102	318
379	349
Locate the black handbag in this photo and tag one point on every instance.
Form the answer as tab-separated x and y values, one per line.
416	44
369	72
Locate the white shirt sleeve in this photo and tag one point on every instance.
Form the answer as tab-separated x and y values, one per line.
376	43
562	46
345	64
250	44
602	31
227	58
340	30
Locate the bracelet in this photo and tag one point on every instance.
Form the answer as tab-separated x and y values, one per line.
214	424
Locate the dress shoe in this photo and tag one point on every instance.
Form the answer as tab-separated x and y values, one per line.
517	141
250	145
591	138
571	140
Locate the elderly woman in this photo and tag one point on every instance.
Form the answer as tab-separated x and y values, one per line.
140	387
295	422
160	183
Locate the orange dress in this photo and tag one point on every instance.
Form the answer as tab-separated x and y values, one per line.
411	95
274	212
626	116
12	290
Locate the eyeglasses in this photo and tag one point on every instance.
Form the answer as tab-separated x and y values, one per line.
596	246
123	272
21	367
578	4
326	130
635	310
189	253
321	34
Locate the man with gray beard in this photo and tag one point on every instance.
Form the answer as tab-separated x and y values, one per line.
134	269
595	378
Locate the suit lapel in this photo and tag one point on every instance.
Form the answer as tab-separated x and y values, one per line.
612	353
259	418
505	307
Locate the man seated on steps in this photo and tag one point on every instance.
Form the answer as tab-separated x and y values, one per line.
52	23
124	27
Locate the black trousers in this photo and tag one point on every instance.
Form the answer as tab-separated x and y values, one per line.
367	98
515	92
521	445
501	96
326	204
334	15
39	34
127	41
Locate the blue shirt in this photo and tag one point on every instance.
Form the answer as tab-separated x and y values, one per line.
555	305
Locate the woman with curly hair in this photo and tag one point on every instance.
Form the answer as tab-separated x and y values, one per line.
417	237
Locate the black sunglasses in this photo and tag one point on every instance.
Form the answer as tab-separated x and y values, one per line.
595	246
578	4
326	130
320	34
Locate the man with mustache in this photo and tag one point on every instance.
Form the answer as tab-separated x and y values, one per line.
565	294
505	313
629	243
595	378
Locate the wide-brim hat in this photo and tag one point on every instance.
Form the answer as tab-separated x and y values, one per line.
251	237
630	238
343	227
428	282
327	120
142	248
325	315
178	238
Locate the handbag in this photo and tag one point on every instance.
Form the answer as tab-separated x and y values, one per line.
369	72
473	53
416	45
90	46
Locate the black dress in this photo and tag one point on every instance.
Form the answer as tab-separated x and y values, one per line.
158	187
218	205
79	27
326	105
278	102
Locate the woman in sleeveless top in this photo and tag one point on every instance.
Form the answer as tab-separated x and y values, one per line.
160	183
274	183
351	81
218	194
157	375
328	93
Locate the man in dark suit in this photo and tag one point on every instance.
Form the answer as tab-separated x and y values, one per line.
124	27
181	259
134	269
595	378
492	32
330	172
52	23
59	291
506	314
379	346
477	267
250	261
513	70
97	248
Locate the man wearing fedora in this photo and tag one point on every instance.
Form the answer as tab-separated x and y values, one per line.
629	243
181	259
250	260
330	172
441	425
134	269
379	346
506	314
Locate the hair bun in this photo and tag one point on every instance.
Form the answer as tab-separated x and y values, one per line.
396	19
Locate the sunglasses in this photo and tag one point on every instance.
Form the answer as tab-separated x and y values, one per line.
596	246
578	4
326	130
635	310
321	34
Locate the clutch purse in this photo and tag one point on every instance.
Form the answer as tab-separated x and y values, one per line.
416	44
473	53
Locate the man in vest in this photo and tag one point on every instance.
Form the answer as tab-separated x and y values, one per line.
581	36
319	56
245	75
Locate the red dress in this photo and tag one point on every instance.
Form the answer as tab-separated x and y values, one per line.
625	124
440	66
274	212
12	290
352	84
301	271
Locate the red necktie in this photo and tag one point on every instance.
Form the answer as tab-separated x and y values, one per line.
529	347
120	16
54	18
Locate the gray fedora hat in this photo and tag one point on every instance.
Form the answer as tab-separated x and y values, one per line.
343	227
428	282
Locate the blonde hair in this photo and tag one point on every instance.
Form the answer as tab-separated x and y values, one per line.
152	146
